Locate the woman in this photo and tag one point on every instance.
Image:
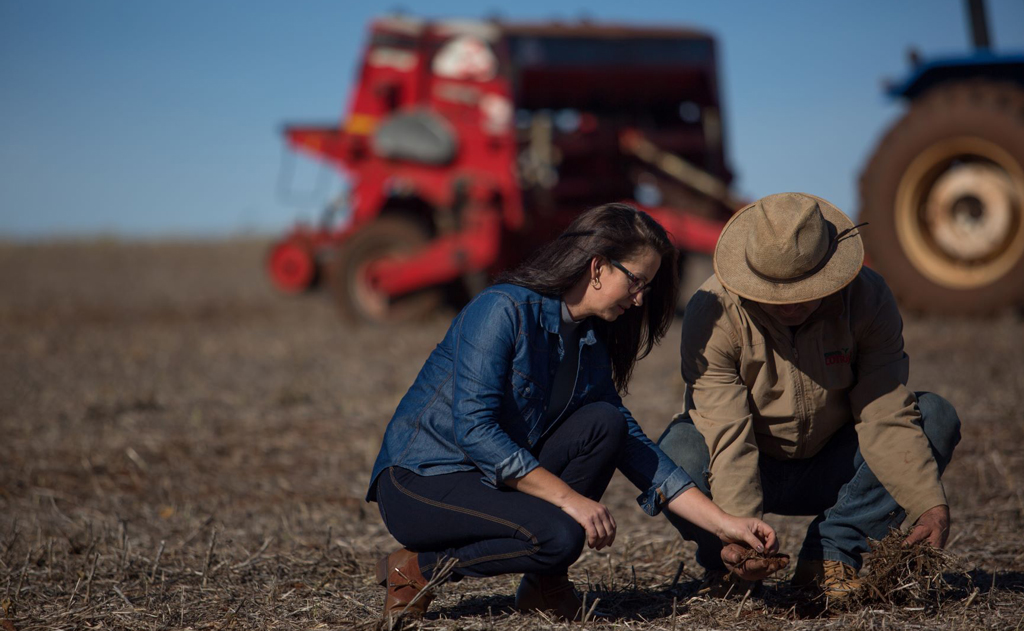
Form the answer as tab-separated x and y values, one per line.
498	455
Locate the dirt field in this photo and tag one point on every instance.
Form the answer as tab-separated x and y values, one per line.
180	447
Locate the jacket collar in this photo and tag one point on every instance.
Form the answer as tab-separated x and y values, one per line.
551	319
551	313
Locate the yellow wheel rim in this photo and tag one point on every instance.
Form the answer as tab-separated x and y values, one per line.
958	212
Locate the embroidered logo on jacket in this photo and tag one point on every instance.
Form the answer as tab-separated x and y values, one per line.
837	357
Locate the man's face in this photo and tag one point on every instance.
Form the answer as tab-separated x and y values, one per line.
793	314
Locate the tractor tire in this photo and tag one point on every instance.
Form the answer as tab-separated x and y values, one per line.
944	196
357	301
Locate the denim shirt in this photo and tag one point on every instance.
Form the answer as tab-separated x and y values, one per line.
479	402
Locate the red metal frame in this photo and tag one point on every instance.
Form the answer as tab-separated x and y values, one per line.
479	187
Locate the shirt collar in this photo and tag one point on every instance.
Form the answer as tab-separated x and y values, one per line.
551	319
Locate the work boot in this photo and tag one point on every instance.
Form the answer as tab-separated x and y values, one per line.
400	573
550	594
722	583
835	579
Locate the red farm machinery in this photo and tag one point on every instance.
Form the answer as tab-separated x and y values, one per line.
467	144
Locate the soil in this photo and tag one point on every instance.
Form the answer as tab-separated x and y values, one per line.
181	447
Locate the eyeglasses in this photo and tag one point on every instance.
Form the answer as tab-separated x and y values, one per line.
636	285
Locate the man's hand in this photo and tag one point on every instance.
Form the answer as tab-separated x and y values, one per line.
932	526
750	566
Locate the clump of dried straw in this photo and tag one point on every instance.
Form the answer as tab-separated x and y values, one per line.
915	575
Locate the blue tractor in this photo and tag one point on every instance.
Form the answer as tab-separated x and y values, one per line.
944	189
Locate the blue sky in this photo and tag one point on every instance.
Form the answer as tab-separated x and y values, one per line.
162	118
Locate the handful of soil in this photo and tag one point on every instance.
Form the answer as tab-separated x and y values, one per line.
759	564
772	563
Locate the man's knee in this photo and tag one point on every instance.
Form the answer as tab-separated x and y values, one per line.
940	423
686	447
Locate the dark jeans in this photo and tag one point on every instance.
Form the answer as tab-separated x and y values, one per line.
500	531
835	484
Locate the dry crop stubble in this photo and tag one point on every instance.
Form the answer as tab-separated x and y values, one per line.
180	447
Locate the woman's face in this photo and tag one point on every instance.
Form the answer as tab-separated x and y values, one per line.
613	296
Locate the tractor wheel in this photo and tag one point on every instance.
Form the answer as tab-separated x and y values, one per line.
944	193
357	300
292	266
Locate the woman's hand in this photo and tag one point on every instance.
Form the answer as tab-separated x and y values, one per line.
694	507
750	531
740	535
595	519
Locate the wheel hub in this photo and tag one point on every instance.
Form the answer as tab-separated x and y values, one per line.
970	210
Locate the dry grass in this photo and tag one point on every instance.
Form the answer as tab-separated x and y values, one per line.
914	576
182	448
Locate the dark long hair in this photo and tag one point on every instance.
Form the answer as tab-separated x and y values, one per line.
613	231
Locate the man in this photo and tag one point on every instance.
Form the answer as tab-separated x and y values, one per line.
796	398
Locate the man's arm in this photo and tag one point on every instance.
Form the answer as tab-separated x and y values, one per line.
717	404
888	423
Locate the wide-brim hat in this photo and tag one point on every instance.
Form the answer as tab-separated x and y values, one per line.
787	248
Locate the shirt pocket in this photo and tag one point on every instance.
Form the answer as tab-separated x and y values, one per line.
836	364
526	389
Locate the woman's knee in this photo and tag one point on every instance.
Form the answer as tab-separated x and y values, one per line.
561	542
940	423
605	421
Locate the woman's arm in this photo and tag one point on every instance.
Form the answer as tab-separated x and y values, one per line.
483	346
593	516
696	508
737	532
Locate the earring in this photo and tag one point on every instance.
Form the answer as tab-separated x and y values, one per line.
596	283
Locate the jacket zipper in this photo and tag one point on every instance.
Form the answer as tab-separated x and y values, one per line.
802	421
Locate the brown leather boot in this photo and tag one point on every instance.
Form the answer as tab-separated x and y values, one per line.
400	573
551	594
834	579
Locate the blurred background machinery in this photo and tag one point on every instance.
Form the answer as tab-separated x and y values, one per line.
467	144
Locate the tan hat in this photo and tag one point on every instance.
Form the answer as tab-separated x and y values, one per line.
786	248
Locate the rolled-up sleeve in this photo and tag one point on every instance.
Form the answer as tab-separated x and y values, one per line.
645	464
483	349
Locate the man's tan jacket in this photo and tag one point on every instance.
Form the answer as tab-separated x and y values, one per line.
754	388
